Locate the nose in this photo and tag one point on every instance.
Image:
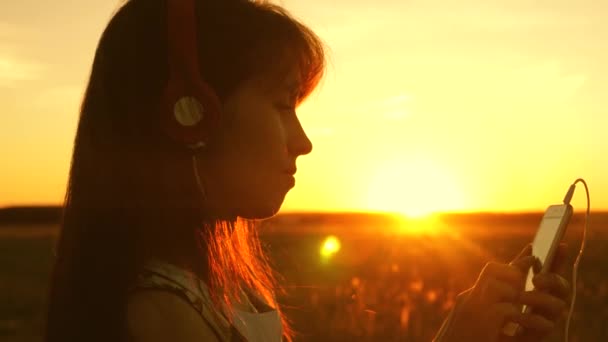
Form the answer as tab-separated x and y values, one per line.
299	144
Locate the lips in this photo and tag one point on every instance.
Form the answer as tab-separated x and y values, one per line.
291	180
291	171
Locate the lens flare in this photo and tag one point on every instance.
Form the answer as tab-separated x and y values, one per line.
330	246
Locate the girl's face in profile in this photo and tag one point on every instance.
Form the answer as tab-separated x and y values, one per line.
248	169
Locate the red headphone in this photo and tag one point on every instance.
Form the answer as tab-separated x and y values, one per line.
190	108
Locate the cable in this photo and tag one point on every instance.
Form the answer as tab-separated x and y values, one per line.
197	177
567	199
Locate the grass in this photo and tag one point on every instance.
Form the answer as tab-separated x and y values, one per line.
381	285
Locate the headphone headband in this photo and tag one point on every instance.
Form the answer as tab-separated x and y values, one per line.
182	53
190	107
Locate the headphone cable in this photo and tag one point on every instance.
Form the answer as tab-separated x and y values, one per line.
567	199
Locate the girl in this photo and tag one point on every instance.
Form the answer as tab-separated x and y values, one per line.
158	239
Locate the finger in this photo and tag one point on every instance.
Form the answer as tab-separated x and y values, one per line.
537	265
524	263
509	274
496	291
540	325
552	283
500	313
543	304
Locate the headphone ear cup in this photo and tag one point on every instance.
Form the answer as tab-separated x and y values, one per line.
191	114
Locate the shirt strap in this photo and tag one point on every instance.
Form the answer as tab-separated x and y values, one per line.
153	278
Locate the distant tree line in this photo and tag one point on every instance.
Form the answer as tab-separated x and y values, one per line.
31	215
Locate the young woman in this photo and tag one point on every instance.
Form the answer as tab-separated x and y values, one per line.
158	240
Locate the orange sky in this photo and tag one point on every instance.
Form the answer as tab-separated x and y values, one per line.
427	105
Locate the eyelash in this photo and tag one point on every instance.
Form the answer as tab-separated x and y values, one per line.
290	108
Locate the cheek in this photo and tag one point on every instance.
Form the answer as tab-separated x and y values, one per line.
261	142
252	157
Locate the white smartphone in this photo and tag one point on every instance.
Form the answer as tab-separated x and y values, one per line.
550	233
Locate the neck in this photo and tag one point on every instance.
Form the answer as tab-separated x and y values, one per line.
177	243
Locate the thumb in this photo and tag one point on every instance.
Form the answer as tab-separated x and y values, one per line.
524	263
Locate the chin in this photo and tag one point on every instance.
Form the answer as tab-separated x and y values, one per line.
261	212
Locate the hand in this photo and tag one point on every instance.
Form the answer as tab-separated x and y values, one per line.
549	301
497	296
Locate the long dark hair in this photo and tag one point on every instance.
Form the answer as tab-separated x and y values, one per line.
130	190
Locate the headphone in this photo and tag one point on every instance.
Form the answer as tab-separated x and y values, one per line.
190	108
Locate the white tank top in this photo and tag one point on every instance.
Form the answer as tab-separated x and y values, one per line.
248	324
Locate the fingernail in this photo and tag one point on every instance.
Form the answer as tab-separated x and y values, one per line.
564	283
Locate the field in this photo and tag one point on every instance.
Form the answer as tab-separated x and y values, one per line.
389	280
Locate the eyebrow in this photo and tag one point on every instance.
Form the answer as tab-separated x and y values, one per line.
293	88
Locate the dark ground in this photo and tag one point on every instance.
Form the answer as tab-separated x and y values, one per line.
383	284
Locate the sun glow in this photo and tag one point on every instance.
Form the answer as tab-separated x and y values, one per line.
426	225
415	188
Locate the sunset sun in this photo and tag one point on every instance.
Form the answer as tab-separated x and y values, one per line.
415	188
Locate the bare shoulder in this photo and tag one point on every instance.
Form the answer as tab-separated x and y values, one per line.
162	316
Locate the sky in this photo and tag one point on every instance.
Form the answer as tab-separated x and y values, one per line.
427	105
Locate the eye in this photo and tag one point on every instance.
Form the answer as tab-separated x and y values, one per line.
287	108
287	103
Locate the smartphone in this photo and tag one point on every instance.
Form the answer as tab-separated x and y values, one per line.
548	236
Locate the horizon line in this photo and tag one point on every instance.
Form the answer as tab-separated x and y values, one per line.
354	211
